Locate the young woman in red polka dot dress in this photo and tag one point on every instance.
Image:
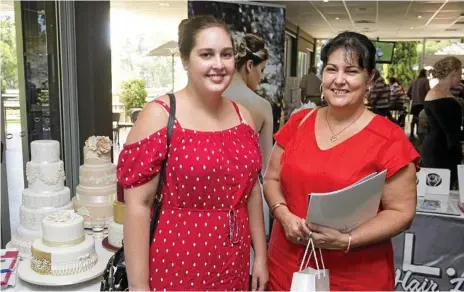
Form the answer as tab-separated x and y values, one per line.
212	207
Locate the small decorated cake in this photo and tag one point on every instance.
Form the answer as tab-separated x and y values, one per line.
64	249
115	226
97	182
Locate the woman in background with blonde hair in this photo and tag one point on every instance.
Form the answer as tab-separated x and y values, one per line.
441	148
251	57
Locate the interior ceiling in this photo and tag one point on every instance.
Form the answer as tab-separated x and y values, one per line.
163	9
382	19
379	19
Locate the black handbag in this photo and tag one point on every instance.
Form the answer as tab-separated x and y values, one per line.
115	274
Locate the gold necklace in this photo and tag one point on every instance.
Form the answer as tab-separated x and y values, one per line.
333	138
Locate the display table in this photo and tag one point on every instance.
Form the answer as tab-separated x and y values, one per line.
91	285
430	255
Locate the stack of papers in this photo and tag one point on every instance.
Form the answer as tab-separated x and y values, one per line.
349	207
9	259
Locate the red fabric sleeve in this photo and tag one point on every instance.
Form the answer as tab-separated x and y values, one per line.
286	133
141	161
397	153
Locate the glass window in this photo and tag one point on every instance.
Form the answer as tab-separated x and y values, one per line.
30	89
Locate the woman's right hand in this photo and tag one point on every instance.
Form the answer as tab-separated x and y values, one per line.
295	227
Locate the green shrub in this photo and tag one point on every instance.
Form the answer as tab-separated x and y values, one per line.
133	94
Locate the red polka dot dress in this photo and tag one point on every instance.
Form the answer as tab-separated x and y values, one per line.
202	240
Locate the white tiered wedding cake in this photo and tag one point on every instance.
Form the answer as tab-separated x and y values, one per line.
97	177
45	194
64	249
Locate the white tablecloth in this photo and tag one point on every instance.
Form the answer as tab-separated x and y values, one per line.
91	285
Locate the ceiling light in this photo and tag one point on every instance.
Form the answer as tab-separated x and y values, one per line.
419	16
412	27
164	4
337	18
325	1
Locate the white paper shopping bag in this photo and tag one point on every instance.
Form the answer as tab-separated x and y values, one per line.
311	279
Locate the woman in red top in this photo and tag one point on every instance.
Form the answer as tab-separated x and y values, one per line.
329	149
212	206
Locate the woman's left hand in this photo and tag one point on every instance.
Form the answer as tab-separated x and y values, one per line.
260	274
328	238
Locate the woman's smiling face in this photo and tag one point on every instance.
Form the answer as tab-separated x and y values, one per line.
344	82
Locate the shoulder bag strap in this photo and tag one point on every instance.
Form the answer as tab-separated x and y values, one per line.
159	197
308	115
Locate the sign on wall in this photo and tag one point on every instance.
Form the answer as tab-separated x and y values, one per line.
264	20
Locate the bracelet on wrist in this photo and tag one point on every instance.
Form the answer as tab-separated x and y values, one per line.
277	205
349	244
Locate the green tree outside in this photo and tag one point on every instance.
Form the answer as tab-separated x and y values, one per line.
433	46
405	57
133	94
8	62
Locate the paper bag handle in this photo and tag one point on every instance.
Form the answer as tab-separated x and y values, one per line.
311	243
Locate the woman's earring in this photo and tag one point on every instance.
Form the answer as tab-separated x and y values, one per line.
322	93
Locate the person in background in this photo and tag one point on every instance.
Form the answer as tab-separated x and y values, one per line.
328	149
397	99
441	147
212	207
417	92
396	91
250	60
380	96
310	87
422	127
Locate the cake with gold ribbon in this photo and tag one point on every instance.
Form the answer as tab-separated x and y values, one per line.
64	249
115	226
97	182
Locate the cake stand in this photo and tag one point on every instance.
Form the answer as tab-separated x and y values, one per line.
106	244
26	273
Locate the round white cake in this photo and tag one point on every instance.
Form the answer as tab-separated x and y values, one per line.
23	239
45	151
35	200
64	249
116	226
115	234
47	177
